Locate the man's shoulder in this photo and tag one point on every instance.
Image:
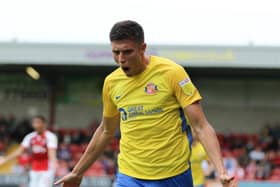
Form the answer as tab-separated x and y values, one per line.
165	63
50	134
159	60
31	134
114	74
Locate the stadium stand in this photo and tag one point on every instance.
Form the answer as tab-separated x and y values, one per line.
247	156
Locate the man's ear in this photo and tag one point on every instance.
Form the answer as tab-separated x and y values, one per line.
143	47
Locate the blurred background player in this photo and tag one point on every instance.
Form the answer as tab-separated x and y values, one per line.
198	156
42	145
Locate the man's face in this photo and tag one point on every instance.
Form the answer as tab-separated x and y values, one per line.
38	124
129	55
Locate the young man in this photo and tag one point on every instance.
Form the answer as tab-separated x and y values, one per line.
43	145
149	96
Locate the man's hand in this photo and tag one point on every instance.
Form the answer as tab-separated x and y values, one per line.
70	180
2	160
228	181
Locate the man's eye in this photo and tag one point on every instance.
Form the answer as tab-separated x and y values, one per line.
127	52
116	52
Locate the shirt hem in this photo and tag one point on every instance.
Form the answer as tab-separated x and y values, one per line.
154	178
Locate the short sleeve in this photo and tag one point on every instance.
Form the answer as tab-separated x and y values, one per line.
109	108
183	88
26	141
51	141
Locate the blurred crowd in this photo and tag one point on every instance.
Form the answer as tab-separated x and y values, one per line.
253	156
246	156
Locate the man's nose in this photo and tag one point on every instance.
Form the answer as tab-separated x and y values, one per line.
121	58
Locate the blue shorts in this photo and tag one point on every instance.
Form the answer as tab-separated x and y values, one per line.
181	180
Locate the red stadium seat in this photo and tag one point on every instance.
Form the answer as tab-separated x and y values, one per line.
97	169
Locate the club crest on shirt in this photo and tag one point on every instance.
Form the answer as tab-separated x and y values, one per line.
151	89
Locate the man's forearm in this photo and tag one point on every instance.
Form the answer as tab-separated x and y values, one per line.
15	154
208	138
93	151
52	158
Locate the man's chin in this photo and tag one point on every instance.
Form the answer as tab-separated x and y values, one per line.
127	73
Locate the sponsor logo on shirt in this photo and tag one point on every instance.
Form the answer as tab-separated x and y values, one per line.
151	89
133	112
187	86
184	82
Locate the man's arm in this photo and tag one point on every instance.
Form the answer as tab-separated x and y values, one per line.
103	135
52	158
207	136
15	154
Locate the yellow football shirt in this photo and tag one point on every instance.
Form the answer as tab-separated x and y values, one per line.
153	144
198	155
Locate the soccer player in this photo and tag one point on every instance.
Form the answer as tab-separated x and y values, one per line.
198	155
42	144
154	100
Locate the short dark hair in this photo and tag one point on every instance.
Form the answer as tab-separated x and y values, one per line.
127	30
41	117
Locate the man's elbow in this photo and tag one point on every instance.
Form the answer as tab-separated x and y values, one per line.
108	135
202	128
